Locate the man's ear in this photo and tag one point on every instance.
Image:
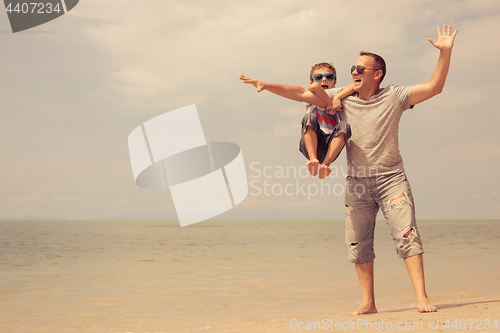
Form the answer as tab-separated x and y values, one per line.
379	74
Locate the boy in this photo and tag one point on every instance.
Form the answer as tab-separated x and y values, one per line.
323	136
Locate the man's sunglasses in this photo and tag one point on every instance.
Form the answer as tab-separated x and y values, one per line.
361	69
319	77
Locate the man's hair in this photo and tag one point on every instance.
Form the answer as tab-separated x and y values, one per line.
379	62
322	65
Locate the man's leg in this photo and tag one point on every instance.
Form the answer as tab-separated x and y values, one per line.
361	212
415	266
365	276
399	210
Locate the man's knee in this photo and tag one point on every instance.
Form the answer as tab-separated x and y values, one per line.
361	252
409	243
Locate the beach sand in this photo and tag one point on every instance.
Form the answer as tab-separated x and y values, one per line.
455	313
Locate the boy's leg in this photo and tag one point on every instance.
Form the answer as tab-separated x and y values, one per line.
311	141
341	134
333	152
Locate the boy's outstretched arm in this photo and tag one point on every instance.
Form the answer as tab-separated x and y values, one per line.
349	90
296	93
422	92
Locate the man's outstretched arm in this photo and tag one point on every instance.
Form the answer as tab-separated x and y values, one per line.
422	92
296	93
335	103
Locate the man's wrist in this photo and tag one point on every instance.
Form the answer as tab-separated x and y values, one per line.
446	51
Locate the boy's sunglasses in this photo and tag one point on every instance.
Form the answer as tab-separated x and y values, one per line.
319	77
361	69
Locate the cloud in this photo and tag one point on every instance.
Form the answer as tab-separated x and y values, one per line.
492	194
470	150
292	111
175	52
477	44
27	200
76	199
286	129
462	100
122	202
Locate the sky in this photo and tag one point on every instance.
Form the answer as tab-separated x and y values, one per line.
72	90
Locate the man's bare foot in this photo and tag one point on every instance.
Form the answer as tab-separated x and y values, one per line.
365	309
312	166
425	306
324	171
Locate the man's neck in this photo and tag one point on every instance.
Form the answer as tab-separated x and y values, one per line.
367	94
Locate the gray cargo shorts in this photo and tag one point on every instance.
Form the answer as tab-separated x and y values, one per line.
324	140
363	198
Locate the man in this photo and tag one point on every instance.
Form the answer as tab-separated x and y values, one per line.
376	177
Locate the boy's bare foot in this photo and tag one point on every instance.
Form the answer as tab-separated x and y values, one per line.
365	309
425	306
313	166
324	171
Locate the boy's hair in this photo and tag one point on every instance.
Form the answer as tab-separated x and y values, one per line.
322	65
379	62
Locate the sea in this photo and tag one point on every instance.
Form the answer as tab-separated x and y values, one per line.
154	276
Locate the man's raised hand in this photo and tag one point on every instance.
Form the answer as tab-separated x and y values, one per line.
445	39
256	83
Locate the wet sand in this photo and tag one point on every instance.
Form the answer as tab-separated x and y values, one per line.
459	313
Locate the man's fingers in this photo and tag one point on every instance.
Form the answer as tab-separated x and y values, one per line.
433	42
246	79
